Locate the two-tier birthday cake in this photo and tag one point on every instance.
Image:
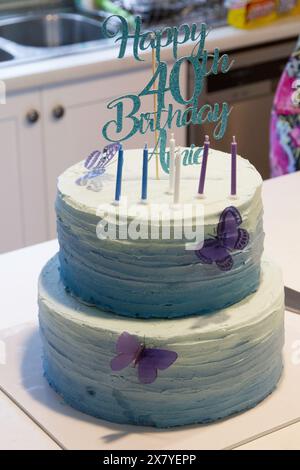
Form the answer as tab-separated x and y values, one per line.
159	309
145	329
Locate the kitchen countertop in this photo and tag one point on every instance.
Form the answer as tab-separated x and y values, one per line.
19	271
104	61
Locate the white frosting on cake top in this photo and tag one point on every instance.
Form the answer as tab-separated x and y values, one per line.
217	186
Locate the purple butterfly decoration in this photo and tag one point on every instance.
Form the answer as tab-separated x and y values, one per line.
229	237
130	350
96	164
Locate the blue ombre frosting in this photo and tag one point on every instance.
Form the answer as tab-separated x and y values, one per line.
157	278
229	343
227	362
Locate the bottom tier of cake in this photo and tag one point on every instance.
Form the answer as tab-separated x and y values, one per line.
226	362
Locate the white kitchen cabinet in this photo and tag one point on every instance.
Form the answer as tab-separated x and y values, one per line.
22	193
81	111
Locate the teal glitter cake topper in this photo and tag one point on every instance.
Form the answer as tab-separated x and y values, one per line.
125	124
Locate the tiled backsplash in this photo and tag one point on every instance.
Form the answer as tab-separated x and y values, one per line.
15	4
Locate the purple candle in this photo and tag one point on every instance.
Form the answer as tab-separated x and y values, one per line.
233	166
203	166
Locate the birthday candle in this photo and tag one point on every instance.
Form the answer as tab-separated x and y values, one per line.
171	164
119	174
145	173
177	178
233	166
203	166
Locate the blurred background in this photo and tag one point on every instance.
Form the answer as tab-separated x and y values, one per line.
58	72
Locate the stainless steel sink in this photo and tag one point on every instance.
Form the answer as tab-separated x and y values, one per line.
52	30
34	37
5	56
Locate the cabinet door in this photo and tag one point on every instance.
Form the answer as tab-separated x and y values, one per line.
22	201
74	116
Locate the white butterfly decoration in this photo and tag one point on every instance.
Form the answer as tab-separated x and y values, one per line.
96	164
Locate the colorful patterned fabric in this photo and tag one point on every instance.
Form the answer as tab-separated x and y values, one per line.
285	121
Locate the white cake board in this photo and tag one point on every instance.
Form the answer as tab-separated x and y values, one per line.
22	380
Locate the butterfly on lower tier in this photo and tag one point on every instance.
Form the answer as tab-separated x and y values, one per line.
229	237
148	360
96	164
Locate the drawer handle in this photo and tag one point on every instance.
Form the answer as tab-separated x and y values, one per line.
32	116
58	112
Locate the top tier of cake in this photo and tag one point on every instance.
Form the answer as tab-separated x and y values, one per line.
156	275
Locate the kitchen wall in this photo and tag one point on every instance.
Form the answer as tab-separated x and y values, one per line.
6	5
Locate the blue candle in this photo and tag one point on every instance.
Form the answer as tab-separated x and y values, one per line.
119	175
145	174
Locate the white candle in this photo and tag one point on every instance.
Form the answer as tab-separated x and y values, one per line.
171	164
177	178
233	166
